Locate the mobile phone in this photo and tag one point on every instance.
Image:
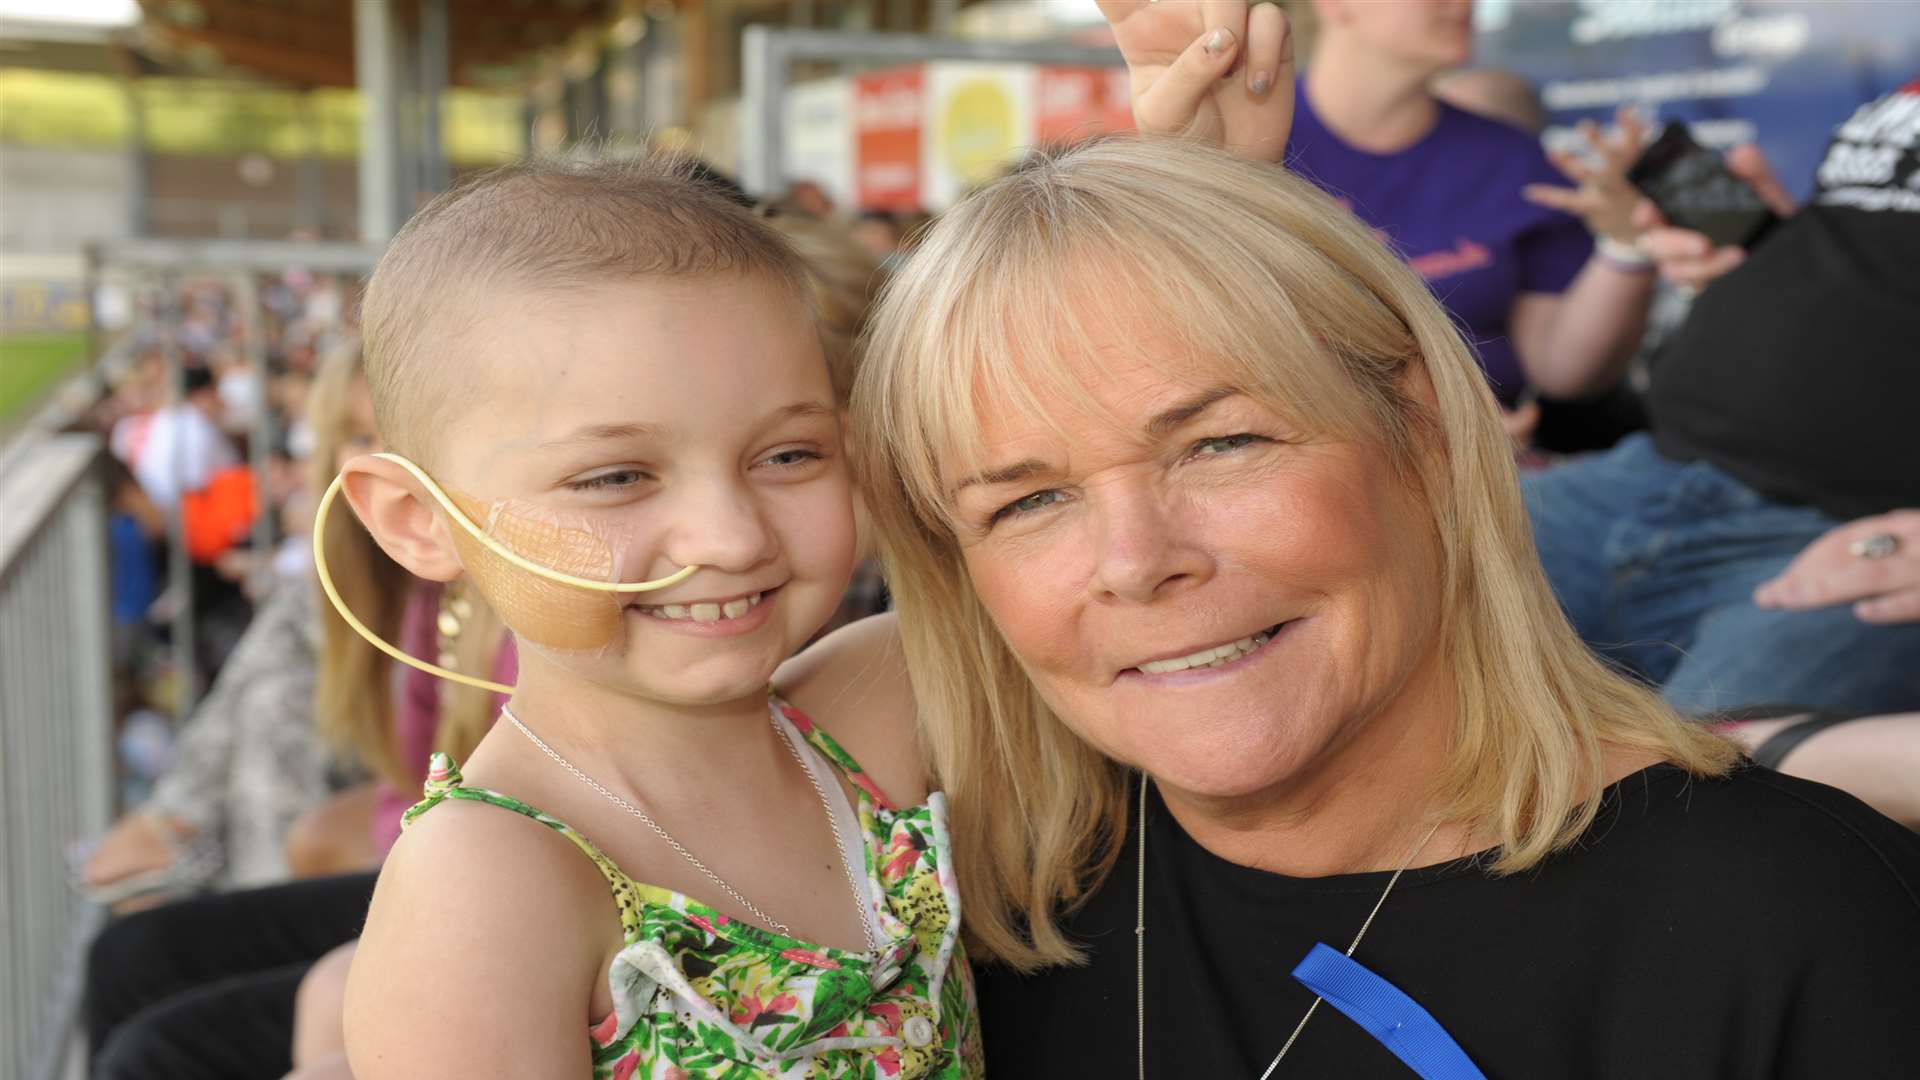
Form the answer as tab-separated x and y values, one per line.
1693	190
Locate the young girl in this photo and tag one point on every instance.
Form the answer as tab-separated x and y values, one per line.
655	866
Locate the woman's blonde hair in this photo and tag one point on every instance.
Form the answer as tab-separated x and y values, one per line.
1269	281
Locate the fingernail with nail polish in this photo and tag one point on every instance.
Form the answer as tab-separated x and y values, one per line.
1218	40
1261	82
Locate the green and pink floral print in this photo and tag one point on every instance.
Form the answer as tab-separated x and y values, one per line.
700	996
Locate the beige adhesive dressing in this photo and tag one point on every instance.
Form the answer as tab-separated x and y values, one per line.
538	610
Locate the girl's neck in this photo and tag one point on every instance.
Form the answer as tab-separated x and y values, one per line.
639	741
1371	103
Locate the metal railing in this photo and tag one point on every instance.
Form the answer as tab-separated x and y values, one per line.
56	769
57	773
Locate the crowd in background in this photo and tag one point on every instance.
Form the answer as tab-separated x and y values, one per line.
296	764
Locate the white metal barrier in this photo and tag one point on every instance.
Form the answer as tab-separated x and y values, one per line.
56	768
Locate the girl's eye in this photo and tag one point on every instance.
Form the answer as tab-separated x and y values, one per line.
619	478
1029	504
1224	444
787	459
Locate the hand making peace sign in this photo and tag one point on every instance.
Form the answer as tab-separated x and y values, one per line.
1220	70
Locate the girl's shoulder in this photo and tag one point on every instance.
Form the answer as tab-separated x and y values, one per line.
475	848
486	930
853	684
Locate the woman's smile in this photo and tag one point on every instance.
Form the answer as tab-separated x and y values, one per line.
1208	663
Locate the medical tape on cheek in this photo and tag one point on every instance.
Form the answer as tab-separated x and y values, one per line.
540	610
486	555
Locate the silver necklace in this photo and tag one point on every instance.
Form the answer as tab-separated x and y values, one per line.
839	846
1140	939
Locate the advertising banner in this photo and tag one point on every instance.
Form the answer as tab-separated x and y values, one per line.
979	117
1783	73
888	107
819	137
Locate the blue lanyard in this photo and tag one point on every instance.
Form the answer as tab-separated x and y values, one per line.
1386	1013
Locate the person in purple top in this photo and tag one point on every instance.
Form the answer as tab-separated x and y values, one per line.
1475	206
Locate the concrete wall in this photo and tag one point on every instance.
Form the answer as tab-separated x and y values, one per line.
54	200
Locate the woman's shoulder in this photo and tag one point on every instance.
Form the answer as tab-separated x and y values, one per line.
1795	837
853	683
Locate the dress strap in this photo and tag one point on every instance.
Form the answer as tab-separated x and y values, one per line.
445	782
831	750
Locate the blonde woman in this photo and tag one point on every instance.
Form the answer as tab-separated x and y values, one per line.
1268	746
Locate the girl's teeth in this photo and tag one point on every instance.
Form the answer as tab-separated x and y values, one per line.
705	612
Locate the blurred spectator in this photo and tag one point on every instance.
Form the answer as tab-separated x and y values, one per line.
1495	94
177	448
1544	427
205	986
879	233
135	528
1705	556
1476	206
809	198
249	761
241	394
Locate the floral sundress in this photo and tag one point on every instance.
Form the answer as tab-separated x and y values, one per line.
701	996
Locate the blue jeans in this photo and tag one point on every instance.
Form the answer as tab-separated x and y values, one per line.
1655	563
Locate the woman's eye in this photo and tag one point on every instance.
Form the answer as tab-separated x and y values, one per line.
787	459
1037	501
617	479
1223	444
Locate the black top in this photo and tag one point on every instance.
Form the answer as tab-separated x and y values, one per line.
1754	926
1797	373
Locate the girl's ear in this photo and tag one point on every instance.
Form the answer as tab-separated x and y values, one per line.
402	517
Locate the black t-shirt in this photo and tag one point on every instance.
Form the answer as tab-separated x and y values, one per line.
1798	373
1752	926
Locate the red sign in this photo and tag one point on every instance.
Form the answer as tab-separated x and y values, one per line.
1076	103
888	107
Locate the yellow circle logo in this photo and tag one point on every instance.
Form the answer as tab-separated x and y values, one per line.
976	129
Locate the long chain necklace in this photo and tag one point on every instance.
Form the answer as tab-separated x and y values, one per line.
1140	939
839	846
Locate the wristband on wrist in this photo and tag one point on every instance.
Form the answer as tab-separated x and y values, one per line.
1624	257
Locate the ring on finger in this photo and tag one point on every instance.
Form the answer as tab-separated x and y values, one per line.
1877	546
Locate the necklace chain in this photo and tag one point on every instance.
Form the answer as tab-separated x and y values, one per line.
1140	938
833	823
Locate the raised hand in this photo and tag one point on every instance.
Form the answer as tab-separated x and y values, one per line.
1602	196
1219	70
